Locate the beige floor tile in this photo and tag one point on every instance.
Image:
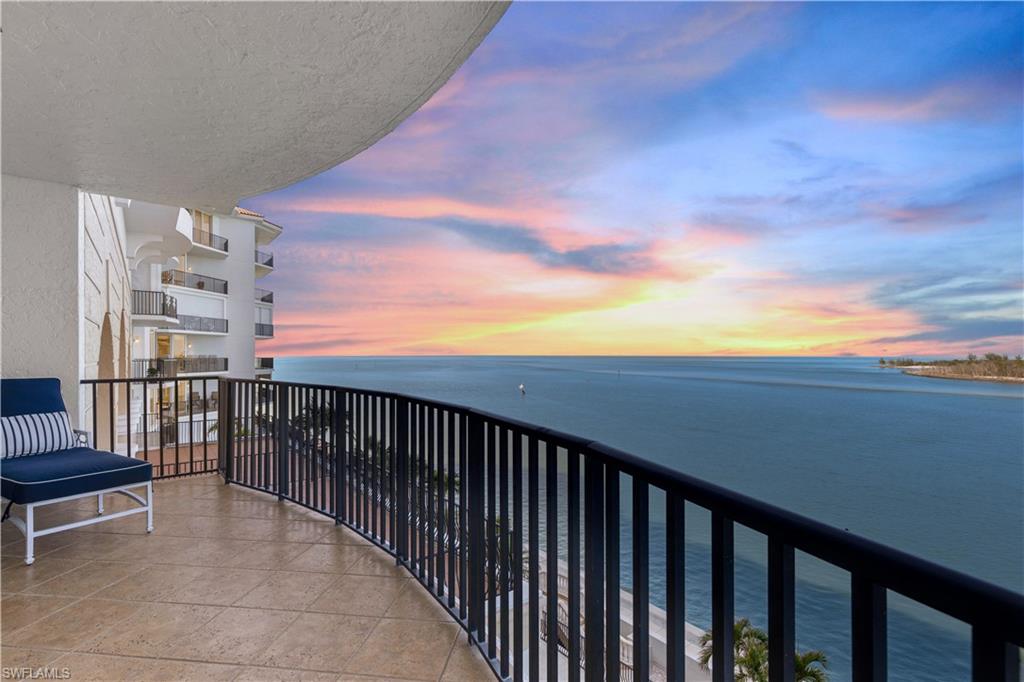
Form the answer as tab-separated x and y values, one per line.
318	641
423	652
359	595
327	558
340	535
105	668
217	586
86	579
153	630
290	590
19	610
152	583
235	635
416	603
466	664
17	657
377	562
15	576
272	555
72	626
351	677
254	674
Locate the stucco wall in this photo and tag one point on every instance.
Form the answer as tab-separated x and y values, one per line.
39	269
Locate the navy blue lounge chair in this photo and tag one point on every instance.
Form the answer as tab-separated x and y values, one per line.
45	462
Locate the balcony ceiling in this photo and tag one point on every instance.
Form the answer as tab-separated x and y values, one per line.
202	104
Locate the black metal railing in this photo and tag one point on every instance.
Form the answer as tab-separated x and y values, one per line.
195	323
264	363
214	241
264	329
194	281
264	296
155	303
460	498
264	258
171	423
156	368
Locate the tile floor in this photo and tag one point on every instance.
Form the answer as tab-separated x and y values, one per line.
232	585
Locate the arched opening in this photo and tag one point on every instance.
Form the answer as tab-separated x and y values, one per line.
104	438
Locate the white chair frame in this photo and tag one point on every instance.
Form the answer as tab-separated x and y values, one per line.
27	526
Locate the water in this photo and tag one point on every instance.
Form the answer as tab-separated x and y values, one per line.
930	466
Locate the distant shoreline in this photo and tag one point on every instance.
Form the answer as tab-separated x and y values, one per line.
938	373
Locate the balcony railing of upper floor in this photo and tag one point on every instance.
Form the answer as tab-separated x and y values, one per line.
264	296
193	281
195	323
264	329
264	363
155	303
210	240
152	368
264	258
476	505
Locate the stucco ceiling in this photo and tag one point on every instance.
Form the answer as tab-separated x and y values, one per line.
202	104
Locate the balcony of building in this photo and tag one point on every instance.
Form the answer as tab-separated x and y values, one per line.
264	367
154	309
145	368
264	263
209	244
264	296
191	280
264	330
201	326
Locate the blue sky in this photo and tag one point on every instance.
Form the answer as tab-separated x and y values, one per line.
682	178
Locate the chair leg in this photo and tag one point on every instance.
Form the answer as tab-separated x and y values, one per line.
99	504
30	533
149	507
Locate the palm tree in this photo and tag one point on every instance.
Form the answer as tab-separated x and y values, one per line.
750	651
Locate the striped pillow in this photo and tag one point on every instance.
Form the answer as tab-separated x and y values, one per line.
33	434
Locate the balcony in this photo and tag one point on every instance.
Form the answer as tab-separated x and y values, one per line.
163	368
191	280
264	363
209	240
195	324
264	296
264	331
149	307
264	260
517	532
231	585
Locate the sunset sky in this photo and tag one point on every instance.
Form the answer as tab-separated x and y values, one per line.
681	179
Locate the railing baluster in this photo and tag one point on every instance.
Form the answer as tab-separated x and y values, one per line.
551	500
613	599
869	629
573	514
781	610
475	570
641	580
402	482
675	579
992	659
439	486
593	569
517	556
281	447
429	456
145	419
533	514
503	547
722	597
464	508
492	542
452	475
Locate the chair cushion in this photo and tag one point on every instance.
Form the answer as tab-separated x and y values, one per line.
31	434
29	396
68	472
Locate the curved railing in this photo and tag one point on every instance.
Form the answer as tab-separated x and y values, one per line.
499	466
466	500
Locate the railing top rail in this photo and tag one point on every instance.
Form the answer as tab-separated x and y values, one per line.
149	380
957	594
